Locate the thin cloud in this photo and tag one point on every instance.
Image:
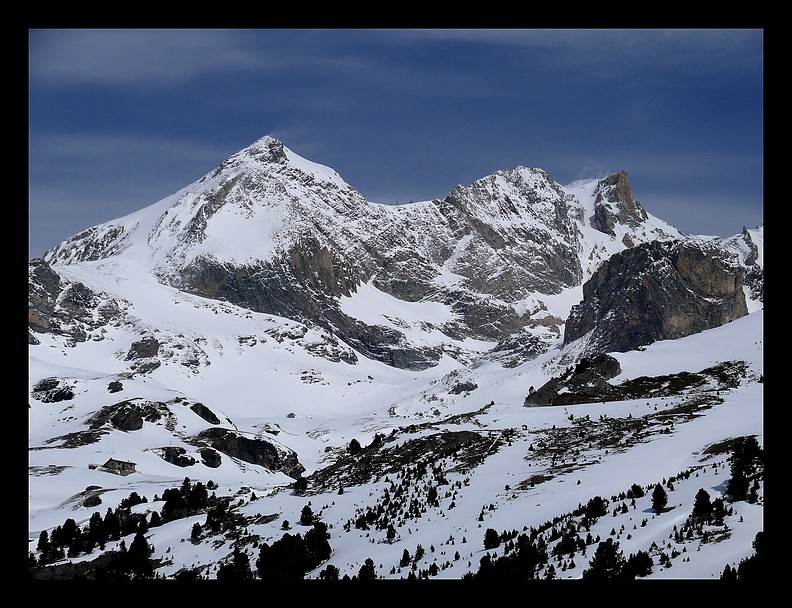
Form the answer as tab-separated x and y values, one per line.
65	147
663	48
129	56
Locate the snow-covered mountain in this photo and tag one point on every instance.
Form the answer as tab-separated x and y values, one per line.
270	334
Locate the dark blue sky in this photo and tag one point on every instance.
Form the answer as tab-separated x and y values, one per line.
119	119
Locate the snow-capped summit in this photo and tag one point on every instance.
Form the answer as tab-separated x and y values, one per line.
245	210
276	233
269	333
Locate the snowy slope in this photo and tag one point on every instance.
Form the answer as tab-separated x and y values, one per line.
295	385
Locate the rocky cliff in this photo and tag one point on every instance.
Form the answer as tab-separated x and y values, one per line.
657	291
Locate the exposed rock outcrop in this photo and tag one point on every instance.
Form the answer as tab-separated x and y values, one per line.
657	291
205	413
253	450
614	204
588	380
53	390
130	415
177	455
60	307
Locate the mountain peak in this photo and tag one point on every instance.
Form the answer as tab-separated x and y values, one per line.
267	149
271	154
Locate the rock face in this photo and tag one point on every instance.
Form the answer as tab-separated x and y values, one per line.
205	413
65	308
130	415
177	455
52	390
754	274
657	291
255	451
588	380
303	242
506	236
615	205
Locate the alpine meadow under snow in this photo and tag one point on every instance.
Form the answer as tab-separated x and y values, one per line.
350	417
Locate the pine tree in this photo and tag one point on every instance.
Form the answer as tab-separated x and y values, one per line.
317	547
754	568
729	573
746	464
659	499
307	516
284	560
639	564
491	539
330	573
300	485
607	563
595	508
367	571
43	542
237	570
702	507
138	557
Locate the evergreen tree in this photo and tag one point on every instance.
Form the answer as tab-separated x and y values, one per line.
317	547
367	571
659	499
729	573
486	570
405	559
286	559
215	517
354	447
754	568
491	539
307	516
635	491
197	497
77	544
702	507
718	511
747	463
155	520
112	525
595	508
330	573
175	504
236	570
639	564
138	557
607	563
300	485
63	535
43	542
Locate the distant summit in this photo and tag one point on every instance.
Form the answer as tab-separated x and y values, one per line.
273	232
